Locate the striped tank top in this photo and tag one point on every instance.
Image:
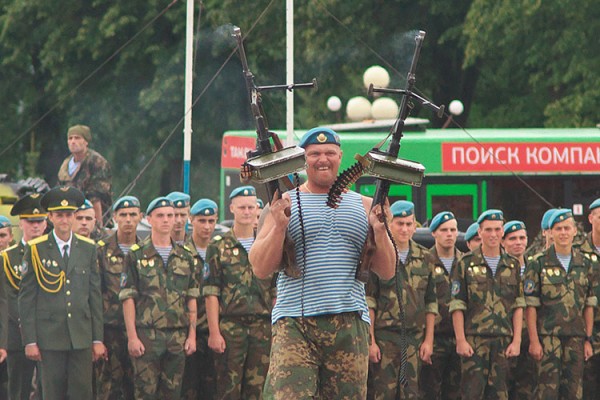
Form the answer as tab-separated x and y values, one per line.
333	239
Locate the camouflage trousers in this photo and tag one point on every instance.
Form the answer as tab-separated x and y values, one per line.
20	375
591	378
560	372
383	376
242	368
323	357
199	380
114	377
441	379
485	373
158	373
523	376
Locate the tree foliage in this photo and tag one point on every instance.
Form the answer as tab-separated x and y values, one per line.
119	67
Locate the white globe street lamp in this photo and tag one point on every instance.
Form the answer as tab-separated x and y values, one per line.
456	107
377	76
384	108
334	104
358	108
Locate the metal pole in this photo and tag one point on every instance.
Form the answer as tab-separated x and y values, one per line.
187	125
289	121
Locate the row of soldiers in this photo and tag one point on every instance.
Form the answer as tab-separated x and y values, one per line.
493	323
181	314
135	304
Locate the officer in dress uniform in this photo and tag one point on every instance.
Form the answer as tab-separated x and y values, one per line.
32	221
60	303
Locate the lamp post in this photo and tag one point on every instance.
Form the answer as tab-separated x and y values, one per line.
456	108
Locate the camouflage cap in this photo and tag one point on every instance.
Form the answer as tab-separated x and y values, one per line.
29	207
62	198
126	202
158	203
204	207
402	208
513	226
439	219
80	130
179	199
471	231
319	135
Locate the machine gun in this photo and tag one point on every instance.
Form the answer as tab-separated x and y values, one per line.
269	163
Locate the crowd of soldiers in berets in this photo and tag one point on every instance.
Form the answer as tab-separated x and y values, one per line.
180	314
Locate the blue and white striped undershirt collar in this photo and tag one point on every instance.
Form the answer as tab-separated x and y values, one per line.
246	243
164	252
492	262
565	260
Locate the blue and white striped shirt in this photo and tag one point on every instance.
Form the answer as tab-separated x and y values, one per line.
333	240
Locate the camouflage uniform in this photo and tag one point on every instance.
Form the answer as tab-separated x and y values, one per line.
488	303
199	376
245	304
560	298
591	370
162	322
114	377
441	379
93	178
523	376
418	298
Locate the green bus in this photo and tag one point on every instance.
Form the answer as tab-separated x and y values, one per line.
521	171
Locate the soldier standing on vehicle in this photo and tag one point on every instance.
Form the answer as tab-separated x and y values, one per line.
559	290
32	221
199	377
441	379
60	302
114	376
487	312
522	377
238	305
88	171
159	293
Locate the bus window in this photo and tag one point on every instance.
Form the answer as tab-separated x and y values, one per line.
461	199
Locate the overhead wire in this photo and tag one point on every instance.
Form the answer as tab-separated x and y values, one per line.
398	73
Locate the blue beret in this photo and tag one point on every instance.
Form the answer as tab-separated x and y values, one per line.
87	205
126	202
490	215
204	207
513	226
319	135
559	215
260	203
4	222
546	218
158	203
439	219
243	191
402	208
179	199
595	204
471	231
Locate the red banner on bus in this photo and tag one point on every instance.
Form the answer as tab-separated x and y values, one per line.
234	149
520	157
